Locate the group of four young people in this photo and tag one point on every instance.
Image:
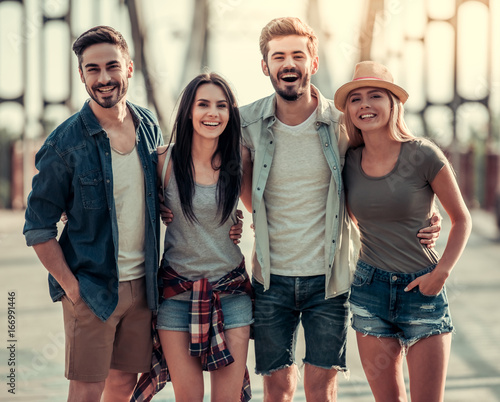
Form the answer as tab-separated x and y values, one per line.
307	181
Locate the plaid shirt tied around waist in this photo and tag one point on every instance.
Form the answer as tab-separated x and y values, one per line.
206	327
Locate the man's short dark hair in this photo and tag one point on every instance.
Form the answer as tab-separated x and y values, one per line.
96	35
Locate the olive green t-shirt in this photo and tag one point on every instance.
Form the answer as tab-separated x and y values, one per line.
391	209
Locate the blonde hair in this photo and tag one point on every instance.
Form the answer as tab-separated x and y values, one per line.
398	130
284	27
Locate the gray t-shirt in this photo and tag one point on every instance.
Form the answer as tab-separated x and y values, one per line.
202	249
391	209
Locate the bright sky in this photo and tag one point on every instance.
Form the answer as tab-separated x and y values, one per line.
234	31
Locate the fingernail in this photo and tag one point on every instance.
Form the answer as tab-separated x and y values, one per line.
406	289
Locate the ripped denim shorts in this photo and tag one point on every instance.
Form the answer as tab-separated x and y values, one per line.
380	306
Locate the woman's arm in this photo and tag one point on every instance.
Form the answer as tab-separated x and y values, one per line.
446	189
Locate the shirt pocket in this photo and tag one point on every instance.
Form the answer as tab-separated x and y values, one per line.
92	190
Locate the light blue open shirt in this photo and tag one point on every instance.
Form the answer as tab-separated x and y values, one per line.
341	237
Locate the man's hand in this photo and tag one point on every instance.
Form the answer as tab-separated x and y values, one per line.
73	294
430	234
237	228
166	214
64	218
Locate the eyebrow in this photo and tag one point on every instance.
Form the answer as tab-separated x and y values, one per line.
282	53
370	91
206	100
97	65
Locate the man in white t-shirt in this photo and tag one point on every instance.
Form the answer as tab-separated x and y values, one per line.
305	247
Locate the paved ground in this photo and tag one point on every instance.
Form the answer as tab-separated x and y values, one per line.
37	345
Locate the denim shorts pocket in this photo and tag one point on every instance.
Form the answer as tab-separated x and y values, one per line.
360	278
429	296
92	189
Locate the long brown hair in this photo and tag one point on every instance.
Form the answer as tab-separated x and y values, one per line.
228	150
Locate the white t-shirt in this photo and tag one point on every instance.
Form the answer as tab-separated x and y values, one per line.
295	198
128	192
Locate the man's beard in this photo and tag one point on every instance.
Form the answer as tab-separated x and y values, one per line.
109	101
291	94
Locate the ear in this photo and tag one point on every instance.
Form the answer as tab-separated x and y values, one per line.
130	69
81	75
265	69
315	65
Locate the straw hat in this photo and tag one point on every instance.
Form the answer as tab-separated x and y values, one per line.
369	74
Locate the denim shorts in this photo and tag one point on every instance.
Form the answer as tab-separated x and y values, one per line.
380	306
173	314
278	312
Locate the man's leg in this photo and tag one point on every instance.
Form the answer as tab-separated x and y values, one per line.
325	324
89	344
132	346
320	385
276	321
80	391
280	385
119	386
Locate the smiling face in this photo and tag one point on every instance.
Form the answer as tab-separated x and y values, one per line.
105	72
369	108
290	66
210	112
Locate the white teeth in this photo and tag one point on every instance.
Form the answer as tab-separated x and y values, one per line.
364	116
106	89
210	123
289	76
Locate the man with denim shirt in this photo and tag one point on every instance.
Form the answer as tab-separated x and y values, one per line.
99	166
305	244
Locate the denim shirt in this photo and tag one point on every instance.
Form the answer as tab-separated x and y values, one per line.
341	239
75	175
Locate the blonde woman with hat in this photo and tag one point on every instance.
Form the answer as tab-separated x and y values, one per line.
398	297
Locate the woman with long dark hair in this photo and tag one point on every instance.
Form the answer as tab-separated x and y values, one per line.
206	311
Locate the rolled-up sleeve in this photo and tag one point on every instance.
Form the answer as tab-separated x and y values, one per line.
47	200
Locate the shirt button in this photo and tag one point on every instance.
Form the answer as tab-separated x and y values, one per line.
326	144
335	168
107	181
265	166
394	278
107	153
270	142
318	123
258	188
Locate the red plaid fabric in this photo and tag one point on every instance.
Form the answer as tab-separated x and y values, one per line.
206	328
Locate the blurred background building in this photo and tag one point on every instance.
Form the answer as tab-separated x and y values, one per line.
446	53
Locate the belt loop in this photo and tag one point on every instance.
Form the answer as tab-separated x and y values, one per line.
369	277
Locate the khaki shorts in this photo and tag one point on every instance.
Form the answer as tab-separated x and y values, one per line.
123	342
